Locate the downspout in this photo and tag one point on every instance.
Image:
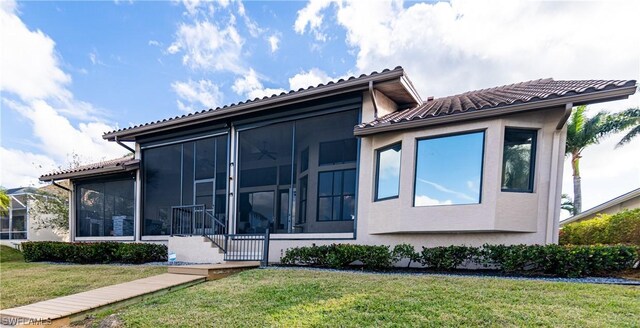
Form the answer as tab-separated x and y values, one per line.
553	213
123	145
53	182
373	100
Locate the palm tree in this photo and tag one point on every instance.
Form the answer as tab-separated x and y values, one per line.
567	204
629	118
583	131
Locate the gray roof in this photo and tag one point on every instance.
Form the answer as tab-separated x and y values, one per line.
531	92
104	167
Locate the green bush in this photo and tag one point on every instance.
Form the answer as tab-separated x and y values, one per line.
405	251
620	228
557	260
447	257
339	256
98	252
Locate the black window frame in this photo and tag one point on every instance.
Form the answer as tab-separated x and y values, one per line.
377	176
532	159
341	195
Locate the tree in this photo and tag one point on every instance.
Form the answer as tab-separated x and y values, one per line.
50	208
567	204
629	118
5	201
583	131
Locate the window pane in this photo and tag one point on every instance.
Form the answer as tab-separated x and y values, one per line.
325	180
324	208
255	211
449	170
205	158
349	182
517	162
348	209
338	152
388	175
188	174
162	185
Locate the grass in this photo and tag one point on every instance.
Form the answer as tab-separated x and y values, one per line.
301	298
24	283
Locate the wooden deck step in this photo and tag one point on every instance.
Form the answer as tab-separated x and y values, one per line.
62	311
214	271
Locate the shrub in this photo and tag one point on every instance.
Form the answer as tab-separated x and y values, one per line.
405	251
557	260
98	252
620	228
339	256
447	257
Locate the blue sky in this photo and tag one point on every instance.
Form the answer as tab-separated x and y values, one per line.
73	70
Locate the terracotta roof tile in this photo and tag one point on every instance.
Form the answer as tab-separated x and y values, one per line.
523	92
112	163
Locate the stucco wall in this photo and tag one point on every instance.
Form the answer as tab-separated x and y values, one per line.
500	218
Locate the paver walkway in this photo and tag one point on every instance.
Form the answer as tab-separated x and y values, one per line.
68	306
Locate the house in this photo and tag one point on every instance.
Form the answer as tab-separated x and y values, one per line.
630	200
362	160
18	224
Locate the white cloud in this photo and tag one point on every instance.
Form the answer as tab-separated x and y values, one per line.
199	95
208	47
452	47
423	200
313	77
20	168
274	42
154	43
444	189
28	61
311	16
34	86
252	88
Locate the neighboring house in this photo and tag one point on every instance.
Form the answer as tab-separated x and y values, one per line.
626	201
362	160
18	224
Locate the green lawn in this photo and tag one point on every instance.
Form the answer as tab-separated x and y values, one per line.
296	298
24	283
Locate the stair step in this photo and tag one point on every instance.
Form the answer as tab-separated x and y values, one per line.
214	271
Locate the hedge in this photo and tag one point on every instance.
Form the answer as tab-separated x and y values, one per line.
620	228
557	260
98	252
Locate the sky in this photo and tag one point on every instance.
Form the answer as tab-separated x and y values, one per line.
70	71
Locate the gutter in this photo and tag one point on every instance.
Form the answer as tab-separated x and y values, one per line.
123	145
592	97
356	84
595	210
89	173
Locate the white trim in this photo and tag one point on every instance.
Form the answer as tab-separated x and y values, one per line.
106	238
155	238
312	236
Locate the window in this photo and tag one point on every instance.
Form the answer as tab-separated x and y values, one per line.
449	170
105	208
13	222
388	172
338	152
336	195
518	160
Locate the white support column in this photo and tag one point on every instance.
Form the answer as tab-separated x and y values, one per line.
72	212
233	170
555	179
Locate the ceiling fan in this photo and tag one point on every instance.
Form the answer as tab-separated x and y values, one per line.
264	152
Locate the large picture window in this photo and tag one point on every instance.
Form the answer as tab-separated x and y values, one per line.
105	208
449	170
388	172
280	167
518	160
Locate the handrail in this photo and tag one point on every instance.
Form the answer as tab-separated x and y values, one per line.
196	220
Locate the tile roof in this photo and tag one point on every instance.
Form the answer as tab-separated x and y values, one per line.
506	95
256	101
116	163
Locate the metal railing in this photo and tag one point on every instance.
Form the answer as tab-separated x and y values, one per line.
216	231
187	220
196	220
248	247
